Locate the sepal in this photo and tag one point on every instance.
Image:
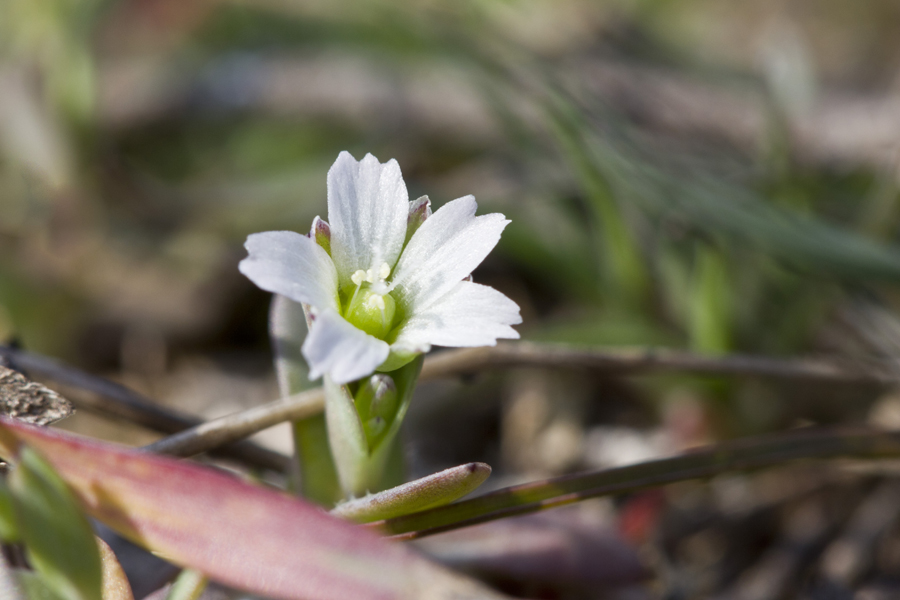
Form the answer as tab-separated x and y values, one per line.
360	461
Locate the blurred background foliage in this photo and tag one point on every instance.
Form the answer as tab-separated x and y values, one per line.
713	175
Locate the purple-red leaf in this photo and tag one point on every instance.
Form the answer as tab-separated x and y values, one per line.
242	535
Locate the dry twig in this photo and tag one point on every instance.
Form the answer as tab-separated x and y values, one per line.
191	436
453	363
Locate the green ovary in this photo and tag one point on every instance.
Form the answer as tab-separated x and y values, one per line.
371	312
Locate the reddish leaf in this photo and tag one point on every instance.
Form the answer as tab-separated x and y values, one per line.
242	535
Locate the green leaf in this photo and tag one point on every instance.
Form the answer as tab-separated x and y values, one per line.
317	472
743	217
619	252
428	492
34	586
57	535
189	585
710	318
730	212
9	531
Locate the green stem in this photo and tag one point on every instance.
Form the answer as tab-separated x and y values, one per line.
318	477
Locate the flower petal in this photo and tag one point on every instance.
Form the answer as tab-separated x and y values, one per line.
336	347
445	249
290	264
469	315
367	208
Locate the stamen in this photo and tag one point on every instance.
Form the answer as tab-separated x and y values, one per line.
358	277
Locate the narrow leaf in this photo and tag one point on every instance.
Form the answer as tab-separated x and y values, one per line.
9	531
752	453
318	475
248	537
435	490
188	586
33	586
287	329
57	535
115	583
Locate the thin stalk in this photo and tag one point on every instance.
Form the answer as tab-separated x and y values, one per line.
452	363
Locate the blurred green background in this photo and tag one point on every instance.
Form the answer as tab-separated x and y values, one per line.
719	176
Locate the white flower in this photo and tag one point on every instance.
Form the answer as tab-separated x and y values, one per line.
386	279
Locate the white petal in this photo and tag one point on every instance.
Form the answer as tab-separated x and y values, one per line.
444	250
290	264
336	347
470	315
367	209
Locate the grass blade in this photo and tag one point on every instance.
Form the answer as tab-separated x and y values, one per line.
752	453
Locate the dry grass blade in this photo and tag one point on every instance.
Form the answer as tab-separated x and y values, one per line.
650	360
452	363
745	454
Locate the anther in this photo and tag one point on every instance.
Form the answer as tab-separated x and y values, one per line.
358	277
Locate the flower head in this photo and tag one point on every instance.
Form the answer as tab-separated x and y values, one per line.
383	280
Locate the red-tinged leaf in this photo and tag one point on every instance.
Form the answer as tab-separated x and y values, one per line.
245	536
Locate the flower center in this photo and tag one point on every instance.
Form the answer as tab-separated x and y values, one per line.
371	307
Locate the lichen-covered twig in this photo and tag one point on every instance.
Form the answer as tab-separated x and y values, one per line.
30	401
102	395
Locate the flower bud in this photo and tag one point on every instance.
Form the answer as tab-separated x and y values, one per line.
419	210
321	233
376	402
